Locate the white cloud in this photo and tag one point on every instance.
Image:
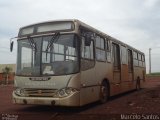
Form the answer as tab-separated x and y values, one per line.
135	22
150	3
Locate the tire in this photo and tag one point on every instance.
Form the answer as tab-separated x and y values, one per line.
138	84
104	92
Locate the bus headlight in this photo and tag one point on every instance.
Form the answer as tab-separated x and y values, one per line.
19	92
66	92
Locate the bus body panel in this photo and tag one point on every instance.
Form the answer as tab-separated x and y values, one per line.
89	84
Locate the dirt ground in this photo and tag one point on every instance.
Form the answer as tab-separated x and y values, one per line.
142	105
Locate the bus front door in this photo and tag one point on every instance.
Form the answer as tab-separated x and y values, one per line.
116	68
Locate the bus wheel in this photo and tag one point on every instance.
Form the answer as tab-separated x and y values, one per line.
104	92
138	84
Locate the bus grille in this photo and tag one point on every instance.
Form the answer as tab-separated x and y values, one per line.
40	92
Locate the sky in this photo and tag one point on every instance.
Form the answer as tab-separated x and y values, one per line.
135	22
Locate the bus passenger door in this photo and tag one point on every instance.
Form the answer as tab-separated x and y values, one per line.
130	65
116	64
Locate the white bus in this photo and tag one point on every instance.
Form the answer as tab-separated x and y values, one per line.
69	63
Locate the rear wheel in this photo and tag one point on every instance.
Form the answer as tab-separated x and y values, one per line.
138	84
104	92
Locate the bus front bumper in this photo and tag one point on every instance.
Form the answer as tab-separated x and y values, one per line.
72	100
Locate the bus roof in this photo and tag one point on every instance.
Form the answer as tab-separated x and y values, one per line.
80	23
107	36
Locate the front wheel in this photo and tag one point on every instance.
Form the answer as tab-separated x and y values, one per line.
104	92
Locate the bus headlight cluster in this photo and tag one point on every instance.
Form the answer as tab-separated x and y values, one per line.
19	92
66	92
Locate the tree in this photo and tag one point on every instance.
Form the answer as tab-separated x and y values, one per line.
6	72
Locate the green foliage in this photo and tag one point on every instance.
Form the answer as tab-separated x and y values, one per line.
154	74
7	70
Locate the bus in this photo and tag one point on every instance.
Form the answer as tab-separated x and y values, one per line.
69	63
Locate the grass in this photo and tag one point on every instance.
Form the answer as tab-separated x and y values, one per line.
154	74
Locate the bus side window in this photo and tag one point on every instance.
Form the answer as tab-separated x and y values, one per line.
135	59
140	60
87	55
143	60
108	51
100	49
124	55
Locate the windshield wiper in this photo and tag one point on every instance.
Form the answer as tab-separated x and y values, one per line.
50	43
53	39
32	43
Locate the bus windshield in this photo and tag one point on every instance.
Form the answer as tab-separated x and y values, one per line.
60	58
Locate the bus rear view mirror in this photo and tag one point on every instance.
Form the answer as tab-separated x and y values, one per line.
87	41
12	43
11	46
